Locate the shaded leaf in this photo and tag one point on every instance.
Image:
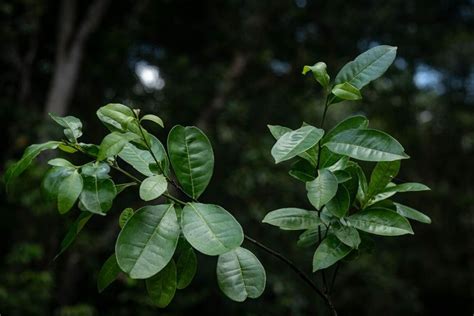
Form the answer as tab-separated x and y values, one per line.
72	126
162	287
108	273
186	267
330	251
113	143
339	204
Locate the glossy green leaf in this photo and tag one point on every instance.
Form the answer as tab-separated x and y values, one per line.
90	149
303	171
322	189
186	267
116	117
346	91
30	153
192	158
347	235
147	242
153	187
125	216
339	165
72	126
97	194
69	191
52	182
210	229
352	122
293	143
113	143
382	174
292	219
240	275
411	213
97	169
108	273
162	287
60	162
309	155
310	237
141	159
73	231
342	176
67	149
339	204
368	66
380	221
330	251
407	187
278	131
367	144
153	118
328	158
319	72
380	196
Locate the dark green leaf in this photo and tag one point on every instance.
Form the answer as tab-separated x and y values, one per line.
292	219
310	237
73	231
192	158
368	66
380	221
339	204
330	251
342	176
352	122
113	144
162	287
97	194
108	273
147	242
125	216
240	275
69	190
322	189
30	153
186	268
210	229
382	174
303	171
52	182
367	144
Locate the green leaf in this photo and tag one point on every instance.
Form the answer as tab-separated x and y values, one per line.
382	174
113	144
347	235
303	171
148	241
339	165
367	144
60	162
186	268
108	273
99	170
328	158
310	237
368	66
407	187
192	158
154	119
322	189
293	143
310	155
90	149
162	287
293	219
346	91
240	275
97	194
52	182
117	117
73	231
30	153
339	204
72	126
411	213
342	176
380	221
67	149
210	229
319	73
278	131
69	191
153	187
122	186
141	159
330	251
125	216
352	122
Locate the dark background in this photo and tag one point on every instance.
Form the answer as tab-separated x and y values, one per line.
231	67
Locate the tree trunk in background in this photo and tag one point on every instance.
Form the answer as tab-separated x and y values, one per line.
69	52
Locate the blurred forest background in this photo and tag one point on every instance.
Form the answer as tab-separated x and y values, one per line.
231	67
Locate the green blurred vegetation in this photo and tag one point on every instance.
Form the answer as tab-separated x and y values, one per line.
231	67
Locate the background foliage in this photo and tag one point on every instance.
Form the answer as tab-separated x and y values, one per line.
231	68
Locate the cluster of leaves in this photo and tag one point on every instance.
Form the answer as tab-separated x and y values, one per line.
157	242
347	207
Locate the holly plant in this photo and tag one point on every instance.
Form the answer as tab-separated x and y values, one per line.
158	242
